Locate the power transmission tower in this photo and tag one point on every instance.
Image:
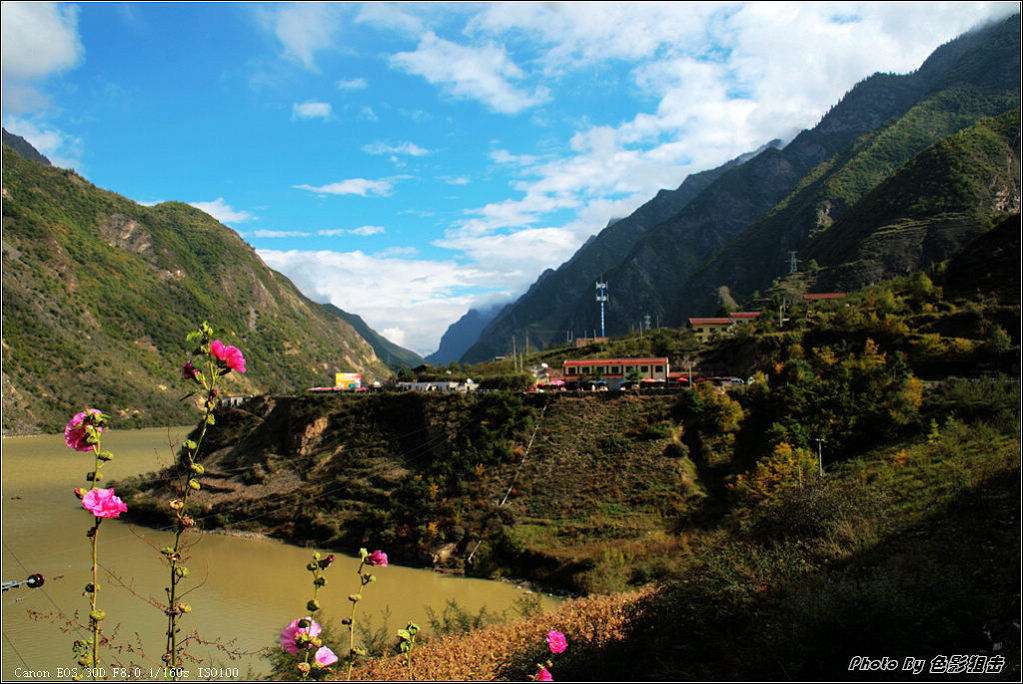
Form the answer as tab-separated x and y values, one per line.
601	299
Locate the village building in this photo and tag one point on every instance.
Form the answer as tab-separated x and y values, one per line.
707	329
615	372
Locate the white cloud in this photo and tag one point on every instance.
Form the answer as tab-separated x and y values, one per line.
311	110
352	186
481	73
391	252
220	210
408	148
38	39
368	230
278	233
352	84
364	231
305	28
412	299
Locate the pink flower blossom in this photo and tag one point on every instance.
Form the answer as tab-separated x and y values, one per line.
74	432
544	675
557	641
102	503
289	633
230	356
378	557
189	372
324	656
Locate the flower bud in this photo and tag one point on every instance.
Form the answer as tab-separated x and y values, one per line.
194	484
198	469
304	622
79	492
105	456
312	567
303	668
91	588
187	521
181	571
326	561
176	504
97	615
355	598
312	606
184	608
346	621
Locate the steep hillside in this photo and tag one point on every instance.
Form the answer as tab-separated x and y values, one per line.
822	220
927	210
391	354
738	230
99	293
544	313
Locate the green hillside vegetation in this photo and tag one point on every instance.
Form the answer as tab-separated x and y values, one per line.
709	500
99	292
975	172
945	195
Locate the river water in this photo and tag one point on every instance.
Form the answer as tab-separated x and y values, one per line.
243	590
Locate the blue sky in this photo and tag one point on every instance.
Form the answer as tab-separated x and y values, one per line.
406	161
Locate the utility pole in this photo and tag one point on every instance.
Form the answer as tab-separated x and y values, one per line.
820	456
601	299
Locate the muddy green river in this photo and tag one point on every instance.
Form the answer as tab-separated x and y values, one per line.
242	590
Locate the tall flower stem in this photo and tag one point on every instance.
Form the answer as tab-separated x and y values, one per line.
83	434
216	361
366	558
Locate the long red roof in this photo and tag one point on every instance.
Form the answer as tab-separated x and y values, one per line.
617	362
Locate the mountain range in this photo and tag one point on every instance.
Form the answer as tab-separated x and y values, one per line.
899	173
99	293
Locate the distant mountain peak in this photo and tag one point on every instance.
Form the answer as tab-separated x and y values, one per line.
24	148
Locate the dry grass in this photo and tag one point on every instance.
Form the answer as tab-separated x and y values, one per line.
510	651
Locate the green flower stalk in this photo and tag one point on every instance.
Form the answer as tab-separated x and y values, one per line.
211	361
366	558
82	433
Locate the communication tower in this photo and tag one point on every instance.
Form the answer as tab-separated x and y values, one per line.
601	299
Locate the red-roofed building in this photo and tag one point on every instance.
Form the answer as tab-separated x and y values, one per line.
615	371
708	328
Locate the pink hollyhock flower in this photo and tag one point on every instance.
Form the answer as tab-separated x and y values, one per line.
324	656
289	633
189	372
231	357
103	503
378	557
544	675
74	432
557	641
